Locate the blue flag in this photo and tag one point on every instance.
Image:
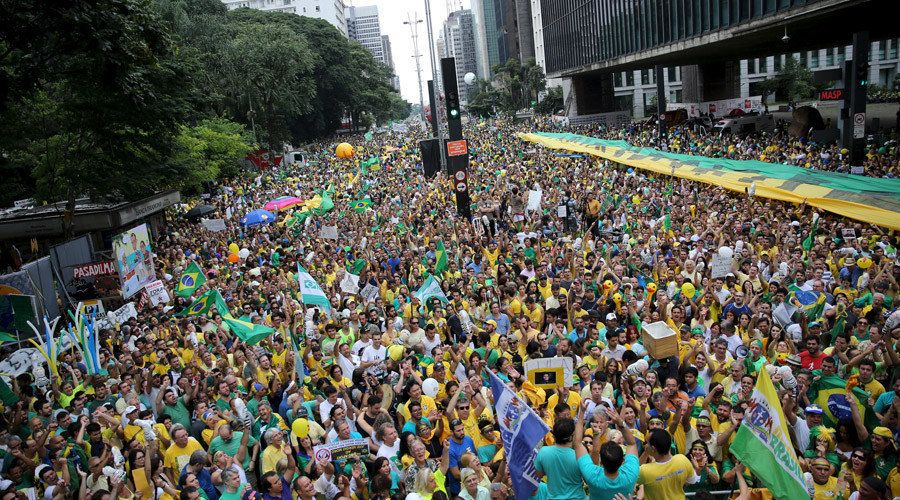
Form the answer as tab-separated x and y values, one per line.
522	431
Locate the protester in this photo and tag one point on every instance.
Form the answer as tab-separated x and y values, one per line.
358	345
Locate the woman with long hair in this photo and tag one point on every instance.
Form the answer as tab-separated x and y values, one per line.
381	466
428	483
704	466
860	467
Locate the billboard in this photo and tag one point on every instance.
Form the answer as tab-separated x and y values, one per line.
134	258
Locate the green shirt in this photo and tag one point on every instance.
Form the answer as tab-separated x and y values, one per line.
231	447
178	412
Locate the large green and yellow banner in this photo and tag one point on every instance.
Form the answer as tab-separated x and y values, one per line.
868	199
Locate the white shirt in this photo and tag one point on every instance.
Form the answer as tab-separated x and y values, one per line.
615	353
375	355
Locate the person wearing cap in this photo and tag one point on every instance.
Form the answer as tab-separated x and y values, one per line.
824	484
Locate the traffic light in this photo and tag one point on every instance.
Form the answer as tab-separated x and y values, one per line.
453	104
862	72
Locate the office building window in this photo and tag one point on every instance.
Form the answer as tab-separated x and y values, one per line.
778	63
829	57
814	59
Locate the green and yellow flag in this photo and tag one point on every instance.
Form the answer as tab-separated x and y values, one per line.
204	303
440	256
831	395
360	206
249	332
764	446
192	279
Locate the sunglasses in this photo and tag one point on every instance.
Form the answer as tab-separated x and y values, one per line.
861	457
462	407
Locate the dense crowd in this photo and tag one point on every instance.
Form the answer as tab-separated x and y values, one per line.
184	409
882	159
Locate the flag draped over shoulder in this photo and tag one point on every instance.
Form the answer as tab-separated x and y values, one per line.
440	256
429	290
310	291
522	431
192	279
202	305
830	393
763	444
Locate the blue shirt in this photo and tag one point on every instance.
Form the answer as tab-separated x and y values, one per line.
456	452
561	468
206	483
503	324
602	487
884	402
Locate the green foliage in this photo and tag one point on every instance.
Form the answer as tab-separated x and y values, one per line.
795	81
552	102
120	98
515	86
211	149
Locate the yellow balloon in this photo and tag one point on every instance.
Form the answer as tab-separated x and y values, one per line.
233	248
636	199
688	290
300	428
344	150
395	352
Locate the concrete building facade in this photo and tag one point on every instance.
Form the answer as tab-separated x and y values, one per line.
331	11
457	40
364	26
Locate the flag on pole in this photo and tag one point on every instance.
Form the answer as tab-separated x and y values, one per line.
310	291
247	331
764	446
368	136
808	242
192	279
203	304
522	431
429	290
440	256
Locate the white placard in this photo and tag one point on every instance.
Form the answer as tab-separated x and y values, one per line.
534	200
350	283
329	232
123	314
369	292
214	225
719	266
157	292
861	170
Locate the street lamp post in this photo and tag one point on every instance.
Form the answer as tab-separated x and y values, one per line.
439	132
414	32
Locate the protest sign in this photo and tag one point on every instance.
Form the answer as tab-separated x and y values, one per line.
134	258
534	200
341	450
329	232
369	292
720	266
123	314
549	373
157	292
350	283
214	225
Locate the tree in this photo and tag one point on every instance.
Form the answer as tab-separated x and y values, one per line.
518	84
90	98
552	102
487	100
796	80
210	149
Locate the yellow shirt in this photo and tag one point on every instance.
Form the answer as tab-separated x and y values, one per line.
893	482
428	405
666	480
176	458
874	388
270	457
827	491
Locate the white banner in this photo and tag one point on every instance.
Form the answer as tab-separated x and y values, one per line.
123	314
534	200
369	292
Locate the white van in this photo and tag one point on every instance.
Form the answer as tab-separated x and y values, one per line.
746	124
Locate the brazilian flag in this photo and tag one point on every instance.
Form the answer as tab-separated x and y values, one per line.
192	279
360	206
356	267
830	393
204	303
250	333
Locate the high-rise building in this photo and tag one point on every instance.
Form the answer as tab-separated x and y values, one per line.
389	60
328	10
457	40
364	26
503	30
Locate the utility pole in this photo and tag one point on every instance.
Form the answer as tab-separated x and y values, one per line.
414	32
439	133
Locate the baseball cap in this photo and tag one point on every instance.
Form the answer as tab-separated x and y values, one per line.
611	317
815	410
129	409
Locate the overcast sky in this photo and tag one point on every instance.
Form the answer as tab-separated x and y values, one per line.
392	13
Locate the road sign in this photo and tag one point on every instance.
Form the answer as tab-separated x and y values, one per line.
457	148
461	186
460	175
859	125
